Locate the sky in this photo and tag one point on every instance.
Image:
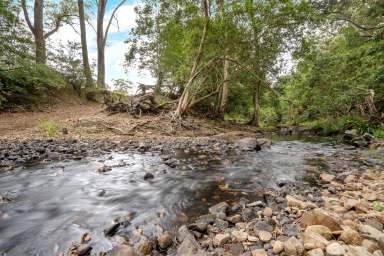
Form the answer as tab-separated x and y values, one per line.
116	48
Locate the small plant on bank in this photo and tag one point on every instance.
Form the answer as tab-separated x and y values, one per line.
378	206
49	127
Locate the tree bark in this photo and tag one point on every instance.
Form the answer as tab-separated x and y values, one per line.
225	90
84	49
37	28
100	43
185	98
101	38
255	121
41	54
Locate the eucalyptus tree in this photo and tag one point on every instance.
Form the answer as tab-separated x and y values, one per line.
55	14
101	37
84	49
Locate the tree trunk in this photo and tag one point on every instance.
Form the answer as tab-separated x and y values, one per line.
223	97
159	82
255	121
101	38
100	44
41	55
185	98
84	49
225	90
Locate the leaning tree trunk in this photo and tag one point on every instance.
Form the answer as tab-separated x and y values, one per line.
185	98
41	55
84	49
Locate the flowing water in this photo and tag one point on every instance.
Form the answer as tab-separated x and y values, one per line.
55	204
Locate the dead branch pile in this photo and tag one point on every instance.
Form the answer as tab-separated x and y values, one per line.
143	104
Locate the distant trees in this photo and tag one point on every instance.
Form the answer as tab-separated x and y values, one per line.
240	48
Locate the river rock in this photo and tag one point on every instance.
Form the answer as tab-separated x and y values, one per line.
263	142
104	168
221	224
248	214
183	233
259	252
371	246
293	202
219	208
207	218
350	203
350	236
145	247
350	178
124	250
293	247
164	240
84	250
321	230
278	247
264	236
198	226
320	217
240	235
148	176
327	177
235	219
335	249
189	247
316	252
314	240
111	229
268	212
373	233
256	204
248	144
357	251
221	239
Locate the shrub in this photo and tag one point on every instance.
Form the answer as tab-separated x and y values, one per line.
49	127
27	83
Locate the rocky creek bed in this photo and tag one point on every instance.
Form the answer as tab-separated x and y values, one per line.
202	196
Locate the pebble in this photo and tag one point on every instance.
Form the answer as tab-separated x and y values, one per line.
221	239
259	252
268	212
335	249
278	247
265	236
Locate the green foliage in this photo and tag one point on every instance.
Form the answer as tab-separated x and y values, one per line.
378	206
378	133
27	84
49	127
334	82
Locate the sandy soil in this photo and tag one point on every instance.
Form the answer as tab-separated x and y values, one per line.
88	120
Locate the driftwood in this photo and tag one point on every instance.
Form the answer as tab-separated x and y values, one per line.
137	106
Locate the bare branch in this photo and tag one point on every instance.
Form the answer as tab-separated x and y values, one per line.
26	16
110	21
